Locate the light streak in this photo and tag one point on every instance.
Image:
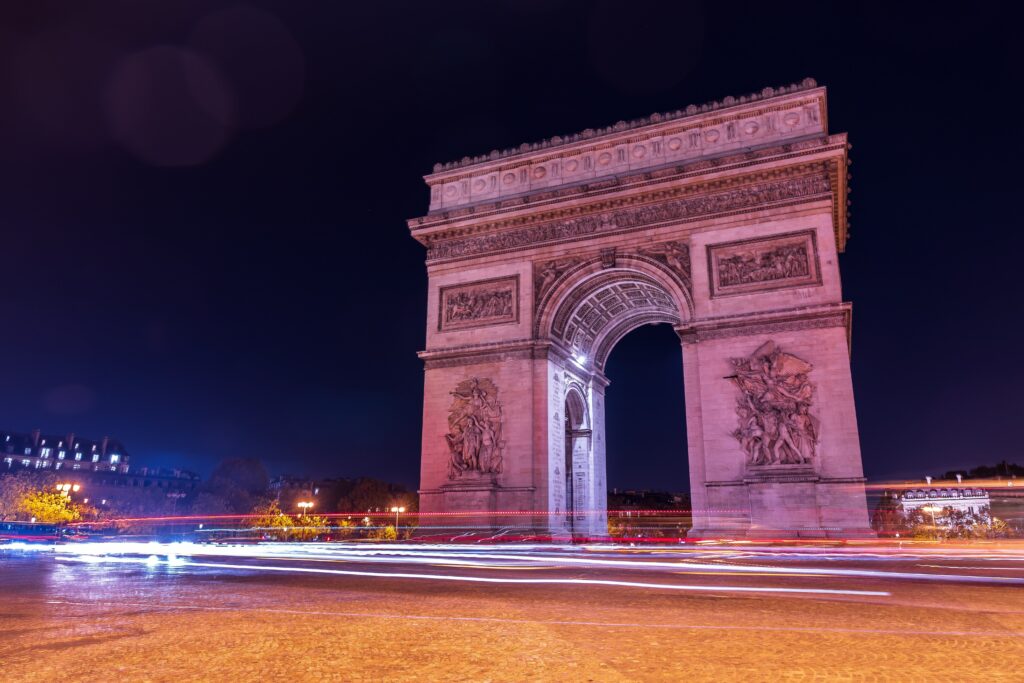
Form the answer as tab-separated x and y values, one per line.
474	557
515	581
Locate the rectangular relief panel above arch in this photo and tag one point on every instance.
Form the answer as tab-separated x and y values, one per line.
764	263
478	304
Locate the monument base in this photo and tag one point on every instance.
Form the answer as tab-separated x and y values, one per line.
475	501
787	501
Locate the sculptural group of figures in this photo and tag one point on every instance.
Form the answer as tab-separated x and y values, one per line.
474	429
776	426
479	303
777	264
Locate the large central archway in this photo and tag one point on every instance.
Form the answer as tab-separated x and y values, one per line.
590	308
724	221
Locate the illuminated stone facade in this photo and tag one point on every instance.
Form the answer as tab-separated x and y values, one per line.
724	221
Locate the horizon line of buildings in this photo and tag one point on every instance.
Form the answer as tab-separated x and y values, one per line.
101	467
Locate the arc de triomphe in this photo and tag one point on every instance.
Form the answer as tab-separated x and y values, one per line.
723	220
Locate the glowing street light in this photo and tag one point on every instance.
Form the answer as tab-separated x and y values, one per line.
397	511
66	489
932	510
304	505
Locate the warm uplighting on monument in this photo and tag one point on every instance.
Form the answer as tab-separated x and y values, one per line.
525	318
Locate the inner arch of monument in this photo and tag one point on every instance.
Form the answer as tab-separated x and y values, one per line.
592	312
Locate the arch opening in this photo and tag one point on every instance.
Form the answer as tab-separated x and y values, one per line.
645	418
586	321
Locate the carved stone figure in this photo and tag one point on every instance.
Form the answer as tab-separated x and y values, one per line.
547	272
474	429
675	255
775	424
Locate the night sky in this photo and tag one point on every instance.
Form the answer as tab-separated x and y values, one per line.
203	204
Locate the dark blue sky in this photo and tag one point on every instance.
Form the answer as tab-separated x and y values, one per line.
260	296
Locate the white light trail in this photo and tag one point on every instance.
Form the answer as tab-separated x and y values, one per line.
489	579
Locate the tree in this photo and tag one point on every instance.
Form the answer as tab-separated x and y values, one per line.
271	521
49	507
888	517
241	482
309	527
14	487
367	495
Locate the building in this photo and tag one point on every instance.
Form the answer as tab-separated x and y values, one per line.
102	470
939	499
67	453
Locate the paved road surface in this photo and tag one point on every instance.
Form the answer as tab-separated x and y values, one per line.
500	613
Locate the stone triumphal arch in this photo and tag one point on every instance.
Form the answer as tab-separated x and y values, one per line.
723	220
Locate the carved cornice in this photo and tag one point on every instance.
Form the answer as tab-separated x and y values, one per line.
646	143
473	354
485	215
591	134
839	315
676	205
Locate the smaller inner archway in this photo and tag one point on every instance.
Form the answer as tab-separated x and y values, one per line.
578	465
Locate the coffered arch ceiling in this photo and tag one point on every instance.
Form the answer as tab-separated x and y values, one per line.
602	310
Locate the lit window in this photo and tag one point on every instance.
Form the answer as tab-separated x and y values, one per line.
28	451
9	461
77	466
114	458
78	456
60	455
113	468
95	457
45	452
46	463
26	463
43	442
57	465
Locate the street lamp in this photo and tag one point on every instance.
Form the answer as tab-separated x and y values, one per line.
66	489
304	505
932	510
397	511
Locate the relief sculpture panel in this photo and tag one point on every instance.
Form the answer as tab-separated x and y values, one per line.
474	435
476	304
789	260
546	273
775	423
675	255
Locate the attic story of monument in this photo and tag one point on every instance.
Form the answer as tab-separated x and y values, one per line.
723	220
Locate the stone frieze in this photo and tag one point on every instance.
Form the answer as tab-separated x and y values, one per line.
686	208
476	304
788	260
